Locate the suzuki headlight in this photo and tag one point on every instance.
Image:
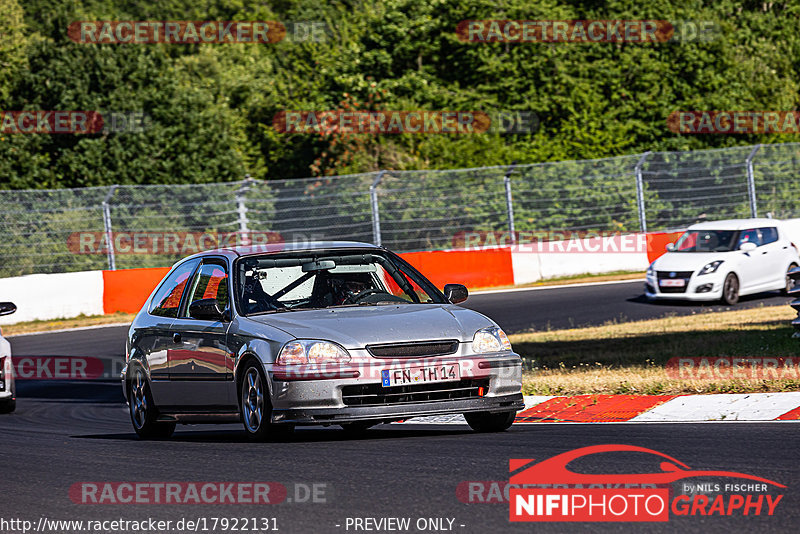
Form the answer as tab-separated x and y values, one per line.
491	339
710	267
313	351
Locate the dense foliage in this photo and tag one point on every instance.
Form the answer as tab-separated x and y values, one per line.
211	106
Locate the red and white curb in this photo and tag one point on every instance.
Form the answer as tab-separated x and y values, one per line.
649	409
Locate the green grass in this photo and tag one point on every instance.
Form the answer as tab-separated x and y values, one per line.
630	358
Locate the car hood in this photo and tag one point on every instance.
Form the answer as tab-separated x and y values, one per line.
356	327
688	261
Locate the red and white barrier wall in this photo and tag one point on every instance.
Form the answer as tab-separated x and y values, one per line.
66	295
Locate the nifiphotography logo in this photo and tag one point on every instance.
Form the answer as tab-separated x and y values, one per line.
549	491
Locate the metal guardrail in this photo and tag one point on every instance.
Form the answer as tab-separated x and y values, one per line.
47	230
795	292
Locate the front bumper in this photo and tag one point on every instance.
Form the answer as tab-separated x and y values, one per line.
704	288
491	383
390	413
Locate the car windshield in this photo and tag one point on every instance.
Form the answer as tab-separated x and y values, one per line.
707	241
328	279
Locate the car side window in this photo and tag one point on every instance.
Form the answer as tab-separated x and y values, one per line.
750	236
210	282
167	299
768	235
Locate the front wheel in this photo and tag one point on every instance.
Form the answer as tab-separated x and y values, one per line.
256	409
490	422
143	410
730	290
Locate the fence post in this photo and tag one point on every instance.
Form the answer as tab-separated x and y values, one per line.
751	182
640	193
112	262
241	208
509	202
376	216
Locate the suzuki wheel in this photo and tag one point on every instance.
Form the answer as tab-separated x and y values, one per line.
730	290
791	283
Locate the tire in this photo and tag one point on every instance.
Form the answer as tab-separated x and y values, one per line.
255	406
790	283
730	290
490	422
8	406
143	410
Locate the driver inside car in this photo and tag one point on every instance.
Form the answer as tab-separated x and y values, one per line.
352	289
336	289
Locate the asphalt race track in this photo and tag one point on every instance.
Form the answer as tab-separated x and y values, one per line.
515	311
392	471
583	305
66	432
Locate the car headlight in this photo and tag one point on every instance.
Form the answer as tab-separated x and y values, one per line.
313	351
491	339
710	267
650	270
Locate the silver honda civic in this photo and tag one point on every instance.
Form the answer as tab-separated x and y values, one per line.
327	333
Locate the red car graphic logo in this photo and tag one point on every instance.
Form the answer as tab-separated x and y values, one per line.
554	470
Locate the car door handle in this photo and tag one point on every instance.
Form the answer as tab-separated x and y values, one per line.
176	337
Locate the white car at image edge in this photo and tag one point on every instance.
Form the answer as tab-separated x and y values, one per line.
724	260
8	397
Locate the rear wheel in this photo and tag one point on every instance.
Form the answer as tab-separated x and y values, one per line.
730	290
490	422
256	409
143	410
790	282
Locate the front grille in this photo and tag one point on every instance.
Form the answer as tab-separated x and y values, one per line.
377	395
678	274
665	275
417	349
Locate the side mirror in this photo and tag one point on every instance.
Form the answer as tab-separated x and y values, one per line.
671	247
7	308
455	293
205	310
748	246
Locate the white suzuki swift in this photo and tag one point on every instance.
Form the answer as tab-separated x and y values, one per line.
724	260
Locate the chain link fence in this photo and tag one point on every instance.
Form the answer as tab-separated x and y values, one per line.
120	227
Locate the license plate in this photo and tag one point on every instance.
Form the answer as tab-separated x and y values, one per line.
420	375
678	282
